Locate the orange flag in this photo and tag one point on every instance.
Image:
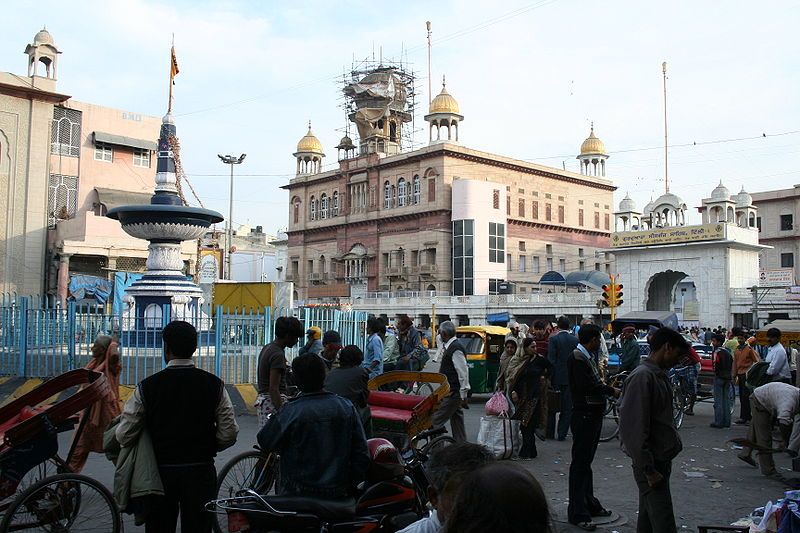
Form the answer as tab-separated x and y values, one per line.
174	67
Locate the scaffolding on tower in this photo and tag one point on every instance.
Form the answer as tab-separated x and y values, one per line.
379	98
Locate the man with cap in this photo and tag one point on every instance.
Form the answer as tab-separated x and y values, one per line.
331	344
629	356
313	341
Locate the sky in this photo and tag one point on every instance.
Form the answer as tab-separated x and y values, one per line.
529	76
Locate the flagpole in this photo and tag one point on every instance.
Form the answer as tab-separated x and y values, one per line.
171	55
666	144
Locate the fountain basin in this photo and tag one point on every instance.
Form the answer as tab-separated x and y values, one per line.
164	223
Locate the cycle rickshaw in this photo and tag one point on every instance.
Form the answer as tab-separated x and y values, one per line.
37	490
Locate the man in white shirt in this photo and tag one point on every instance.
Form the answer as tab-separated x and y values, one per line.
446	469
779	369
454	367
774	400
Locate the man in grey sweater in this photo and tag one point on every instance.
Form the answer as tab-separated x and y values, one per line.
647	430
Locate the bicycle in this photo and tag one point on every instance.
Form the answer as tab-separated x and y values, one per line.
610	428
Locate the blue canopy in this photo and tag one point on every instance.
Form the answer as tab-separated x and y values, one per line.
589	278
553	278
498	318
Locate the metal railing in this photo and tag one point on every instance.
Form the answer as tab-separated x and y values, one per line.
40	340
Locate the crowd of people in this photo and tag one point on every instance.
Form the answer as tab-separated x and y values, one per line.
554	376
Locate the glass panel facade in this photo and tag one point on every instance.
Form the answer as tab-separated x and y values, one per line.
463	257
497	242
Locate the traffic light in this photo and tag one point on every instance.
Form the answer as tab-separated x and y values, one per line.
608	295
617	294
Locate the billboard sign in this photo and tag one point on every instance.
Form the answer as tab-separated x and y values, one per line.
778	277
668	235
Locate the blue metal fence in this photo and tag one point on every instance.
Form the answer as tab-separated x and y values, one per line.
39	339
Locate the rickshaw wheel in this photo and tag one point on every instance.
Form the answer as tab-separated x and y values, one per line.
50	467
64	502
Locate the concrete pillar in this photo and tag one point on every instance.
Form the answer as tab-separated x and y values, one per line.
63	277
111	267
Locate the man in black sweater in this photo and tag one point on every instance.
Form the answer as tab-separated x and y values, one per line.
189	416
589	395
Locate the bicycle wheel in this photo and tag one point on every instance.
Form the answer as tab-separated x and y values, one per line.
50	467
64	502
610	422
678	405
441	441
249	470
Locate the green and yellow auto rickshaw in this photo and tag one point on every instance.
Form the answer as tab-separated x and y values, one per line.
484	346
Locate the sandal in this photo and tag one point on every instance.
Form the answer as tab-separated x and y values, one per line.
602	513
586	526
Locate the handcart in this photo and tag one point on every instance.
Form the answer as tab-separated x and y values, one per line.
399	417
37	490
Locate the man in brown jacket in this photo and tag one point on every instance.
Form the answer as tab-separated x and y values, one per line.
744	356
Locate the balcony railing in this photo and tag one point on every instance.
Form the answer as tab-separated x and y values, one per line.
427	269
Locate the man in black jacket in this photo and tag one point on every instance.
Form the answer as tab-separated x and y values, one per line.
559	349
588	404
189	416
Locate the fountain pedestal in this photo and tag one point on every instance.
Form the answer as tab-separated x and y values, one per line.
166	222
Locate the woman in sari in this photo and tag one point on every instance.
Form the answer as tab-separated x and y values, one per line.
105	360
526	386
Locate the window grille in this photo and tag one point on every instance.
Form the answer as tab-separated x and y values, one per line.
65	132
62	200
131	264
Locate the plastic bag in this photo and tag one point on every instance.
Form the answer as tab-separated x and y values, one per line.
497	404
769	522
501	436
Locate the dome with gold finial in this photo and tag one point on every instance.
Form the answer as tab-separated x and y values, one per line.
309	143
592	145
444	102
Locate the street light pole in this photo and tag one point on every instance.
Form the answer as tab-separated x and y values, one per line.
230	160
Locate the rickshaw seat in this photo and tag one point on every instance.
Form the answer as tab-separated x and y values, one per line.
25	413
392	415
394	400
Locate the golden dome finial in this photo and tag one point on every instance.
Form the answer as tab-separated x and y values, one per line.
593	145
309	142
444	101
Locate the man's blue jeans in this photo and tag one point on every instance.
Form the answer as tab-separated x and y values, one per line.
722	402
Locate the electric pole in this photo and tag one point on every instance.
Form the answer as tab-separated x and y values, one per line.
230	160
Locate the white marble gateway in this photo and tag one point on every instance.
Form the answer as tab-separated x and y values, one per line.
656	251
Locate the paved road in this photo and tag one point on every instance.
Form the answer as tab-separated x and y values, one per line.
721	488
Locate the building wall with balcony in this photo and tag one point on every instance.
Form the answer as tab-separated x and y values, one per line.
779	228
406	231
108	159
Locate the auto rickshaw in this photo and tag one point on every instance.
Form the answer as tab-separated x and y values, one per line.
483	345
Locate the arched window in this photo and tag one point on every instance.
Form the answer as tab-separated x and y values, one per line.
296	209
401	193
323	265
392	196
313	203
387	195
335	206
416	190
323	212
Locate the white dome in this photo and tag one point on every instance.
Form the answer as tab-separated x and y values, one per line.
627	204
721	192
743	199
669	200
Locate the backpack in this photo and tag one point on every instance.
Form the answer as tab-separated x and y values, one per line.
757	375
